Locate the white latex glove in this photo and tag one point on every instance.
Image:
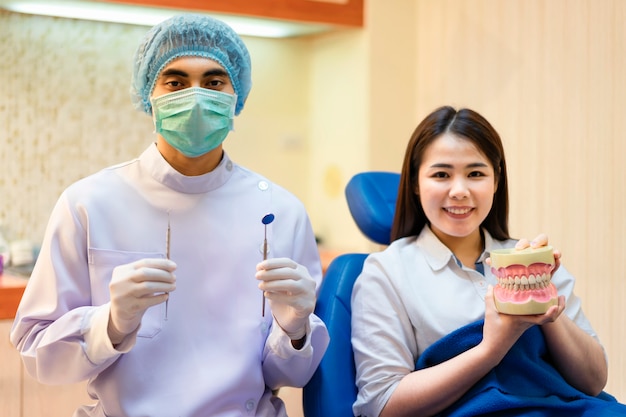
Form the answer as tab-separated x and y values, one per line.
290	291
134	288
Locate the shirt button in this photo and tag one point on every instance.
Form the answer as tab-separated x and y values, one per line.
263	185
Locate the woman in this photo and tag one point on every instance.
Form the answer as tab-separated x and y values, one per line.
452	209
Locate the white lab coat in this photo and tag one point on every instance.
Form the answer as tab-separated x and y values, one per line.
216	355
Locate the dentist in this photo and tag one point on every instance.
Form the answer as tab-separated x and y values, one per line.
174	326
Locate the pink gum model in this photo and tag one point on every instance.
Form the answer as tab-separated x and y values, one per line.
524	280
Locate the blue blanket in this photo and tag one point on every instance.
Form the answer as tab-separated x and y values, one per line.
525	383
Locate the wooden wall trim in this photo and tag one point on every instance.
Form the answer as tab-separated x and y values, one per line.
343	13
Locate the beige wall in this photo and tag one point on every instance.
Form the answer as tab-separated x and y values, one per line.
339	133
65	112
549	74
551	77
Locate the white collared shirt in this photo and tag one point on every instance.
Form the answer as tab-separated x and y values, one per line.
412	294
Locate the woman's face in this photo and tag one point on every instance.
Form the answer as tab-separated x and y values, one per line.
456	184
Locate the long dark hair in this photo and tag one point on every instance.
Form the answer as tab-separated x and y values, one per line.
409	217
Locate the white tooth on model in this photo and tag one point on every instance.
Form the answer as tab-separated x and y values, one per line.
525	282
532	281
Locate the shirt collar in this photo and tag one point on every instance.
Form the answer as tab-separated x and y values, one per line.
438	255
152	161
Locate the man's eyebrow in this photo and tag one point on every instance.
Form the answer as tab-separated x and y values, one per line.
174	71
209	73
216	71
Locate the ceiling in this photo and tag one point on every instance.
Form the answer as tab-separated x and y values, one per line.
266	18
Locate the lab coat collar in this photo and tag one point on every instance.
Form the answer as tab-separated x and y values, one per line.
152	161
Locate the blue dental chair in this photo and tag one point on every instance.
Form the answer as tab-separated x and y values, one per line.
371	198
331	392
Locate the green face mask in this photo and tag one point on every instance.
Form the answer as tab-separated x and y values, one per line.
194	120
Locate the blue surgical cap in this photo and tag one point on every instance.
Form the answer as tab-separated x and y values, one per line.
189	35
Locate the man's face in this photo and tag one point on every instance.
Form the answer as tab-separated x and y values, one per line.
192	71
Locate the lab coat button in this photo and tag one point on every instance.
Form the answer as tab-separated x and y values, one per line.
229	165
264	327
250	405
263	185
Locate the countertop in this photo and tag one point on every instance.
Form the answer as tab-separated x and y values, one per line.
11	290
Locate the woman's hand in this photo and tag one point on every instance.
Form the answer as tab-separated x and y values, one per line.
539	241
501	331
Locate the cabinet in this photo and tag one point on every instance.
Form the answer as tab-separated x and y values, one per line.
22	396
348	13
10	373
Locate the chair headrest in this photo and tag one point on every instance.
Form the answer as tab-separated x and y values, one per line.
371	199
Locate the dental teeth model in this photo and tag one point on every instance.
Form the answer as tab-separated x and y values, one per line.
524	285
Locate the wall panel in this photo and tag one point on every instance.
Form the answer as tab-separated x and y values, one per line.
551	77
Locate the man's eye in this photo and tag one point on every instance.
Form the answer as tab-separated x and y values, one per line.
214	84
174	84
